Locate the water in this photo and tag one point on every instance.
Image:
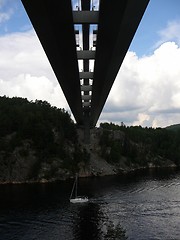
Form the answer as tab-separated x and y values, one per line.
145	205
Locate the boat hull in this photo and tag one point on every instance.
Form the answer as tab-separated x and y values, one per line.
79	200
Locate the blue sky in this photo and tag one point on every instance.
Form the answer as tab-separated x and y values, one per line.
147	88
156	18
13	17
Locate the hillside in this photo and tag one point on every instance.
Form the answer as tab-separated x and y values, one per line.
134	147
37	142
174	127
40	143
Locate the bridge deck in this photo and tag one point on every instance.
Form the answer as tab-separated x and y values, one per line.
54	22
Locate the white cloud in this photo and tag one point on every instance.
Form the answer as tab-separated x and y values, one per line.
5	15
170	33
147	89
25	70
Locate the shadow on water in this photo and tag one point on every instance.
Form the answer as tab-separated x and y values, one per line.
86	222
43	211
91	224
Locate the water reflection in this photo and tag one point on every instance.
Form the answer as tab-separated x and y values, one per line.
92	224
86	224
145	204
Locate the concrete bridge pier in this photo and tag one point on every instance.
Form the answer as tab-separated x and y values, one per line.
86	127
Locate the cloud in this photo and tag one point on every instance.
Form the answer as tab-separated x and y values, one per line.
170	33
5	14
147	90
25	70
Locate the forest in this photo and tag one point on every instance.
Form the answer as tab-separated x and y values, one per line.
36	140
141	145
39	142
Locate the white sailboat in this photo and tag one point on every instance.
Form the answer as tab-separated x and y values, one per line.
77	199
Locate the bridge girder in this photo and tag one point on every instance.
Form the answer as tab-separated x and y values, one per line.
118	22
54	22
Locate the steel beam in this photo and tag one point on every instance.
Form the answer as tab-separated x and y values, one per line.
86	75
86	54
86	97
118	21
85	17
86	87
86	104
53	23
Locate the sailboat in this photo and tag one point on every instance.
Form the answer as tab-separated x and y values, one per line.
76	199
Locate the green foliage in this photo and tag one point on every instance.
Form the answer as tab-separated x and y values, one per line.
48	130
174	127
112	126
138	142
32	119
115	152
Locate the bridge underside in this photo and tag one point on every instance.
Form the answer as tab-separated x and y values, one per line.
55	24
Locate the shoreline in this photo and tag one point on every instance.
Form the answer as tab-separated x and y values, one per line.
119	173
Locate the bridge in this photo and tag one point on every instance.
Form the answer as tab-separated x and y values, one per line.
87	68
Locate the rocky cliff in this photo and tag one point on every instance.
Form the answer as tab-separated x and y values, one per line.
100	163
24	164
40	143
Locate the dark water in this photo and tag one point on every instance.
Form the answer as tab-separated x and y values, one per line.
145	205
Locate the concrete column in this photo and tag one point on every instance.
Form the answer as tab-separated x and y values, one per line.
86	127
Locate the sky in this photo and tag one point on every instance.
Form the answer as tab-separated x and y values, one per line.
146	91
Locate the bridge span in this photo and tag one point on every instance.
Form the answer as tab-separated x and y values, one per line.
85	69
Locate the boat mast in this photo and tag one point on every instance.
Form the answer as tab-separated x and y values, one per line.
76	185
73	189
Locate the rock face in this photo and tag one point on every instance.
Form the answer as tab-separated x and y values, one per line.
98	158
100	166
97	166
40	143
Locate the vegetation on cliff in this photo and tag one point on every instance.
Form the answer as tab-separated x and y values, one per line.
139	146
37	141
